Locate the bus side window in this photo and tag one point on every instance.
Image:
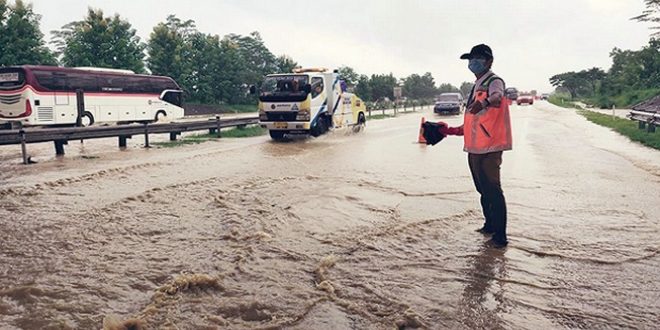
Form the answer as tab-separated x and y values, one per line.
137	85
317	86
157	86
112	83
51	81
85	82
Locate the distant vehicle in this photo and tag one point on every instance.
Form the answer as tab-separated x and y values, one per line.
46	95
307	101
545	96
525	98
511	93
448	103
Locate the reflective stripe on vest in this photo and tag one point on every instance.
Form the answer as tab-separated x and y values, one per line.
489	130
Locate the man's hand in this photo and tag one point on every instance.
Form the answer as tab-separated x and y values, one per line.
475	107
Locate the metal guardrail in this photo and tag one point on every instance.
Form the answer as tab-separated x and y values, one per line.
396	110
646	120
61	136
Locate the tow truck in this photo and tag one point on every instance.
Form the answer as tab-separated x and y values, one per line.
307	102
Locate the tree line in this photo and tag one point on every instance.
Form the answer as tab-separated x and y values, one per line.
209	68
633	77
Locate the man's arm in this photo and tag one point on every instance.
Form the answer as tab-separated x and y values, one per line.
496	93
446	130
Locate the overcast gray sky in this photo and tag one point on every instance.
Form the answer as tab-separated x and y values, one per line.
531	39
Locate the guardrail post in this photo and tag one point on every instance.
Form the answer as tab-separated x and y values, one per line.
122	140
217	122
651	128
173	135
641	124
146	135
23	147
59	147
80	106
369	112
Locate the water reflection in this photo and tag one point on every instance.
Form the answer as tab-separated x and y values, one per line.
482	299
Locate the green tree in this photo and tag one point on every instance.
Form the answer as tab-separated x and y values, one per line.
99	41
285	64
168	48
419	87
21	40
170	52
584	83
448	88
363	88
255	57
382	86
206	69
651	14
466	88
349	76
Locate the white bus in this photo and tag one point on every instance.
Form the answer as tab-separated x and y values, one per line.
45	95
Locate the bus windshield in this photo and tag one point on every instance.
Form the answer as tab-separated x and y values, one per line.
285	88
11	78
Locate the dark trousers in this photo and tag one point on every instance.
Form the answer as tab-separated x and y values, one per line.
485	169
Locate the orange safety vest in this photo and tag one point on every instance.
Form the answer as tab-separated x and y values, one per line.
490	129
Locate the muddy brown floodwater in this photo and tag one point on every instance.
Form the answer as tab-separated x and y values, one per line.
346	231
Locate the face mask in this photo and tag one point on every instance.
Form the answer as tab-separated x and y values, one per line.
477	66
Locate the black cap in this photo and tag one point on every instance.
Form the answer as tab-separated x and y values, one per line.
480	50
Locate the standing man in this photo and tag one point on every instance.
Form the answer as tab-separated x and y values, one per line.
486	131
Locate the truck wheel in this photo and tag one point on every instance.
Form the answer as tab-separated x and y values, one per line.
320	128
361	123
276	135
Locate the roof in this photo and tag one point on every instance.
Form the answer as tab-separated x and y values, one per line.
97	71
650	105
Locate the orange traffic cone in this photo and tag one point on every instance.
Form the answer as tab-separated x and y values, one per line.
421	138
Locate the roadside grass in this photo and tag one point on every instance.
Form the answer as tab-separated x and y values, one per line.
220	108
625	99
241	108
562	102
381	116
238	132
391	114
242	132
625	127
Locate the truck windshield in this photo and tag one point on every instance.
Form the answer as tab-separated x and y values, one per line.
11	78
286	88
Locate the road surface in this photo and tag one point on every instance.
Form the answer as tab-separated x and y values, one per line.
346	231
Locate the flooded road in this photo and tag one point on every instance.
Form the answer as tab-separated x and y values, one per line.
346	231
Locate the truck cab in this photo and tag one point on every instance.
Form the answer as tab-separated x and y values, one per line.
307	101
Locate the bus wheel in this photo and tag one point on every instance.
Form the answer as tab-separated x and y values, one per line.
86	119
276	135
160	115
